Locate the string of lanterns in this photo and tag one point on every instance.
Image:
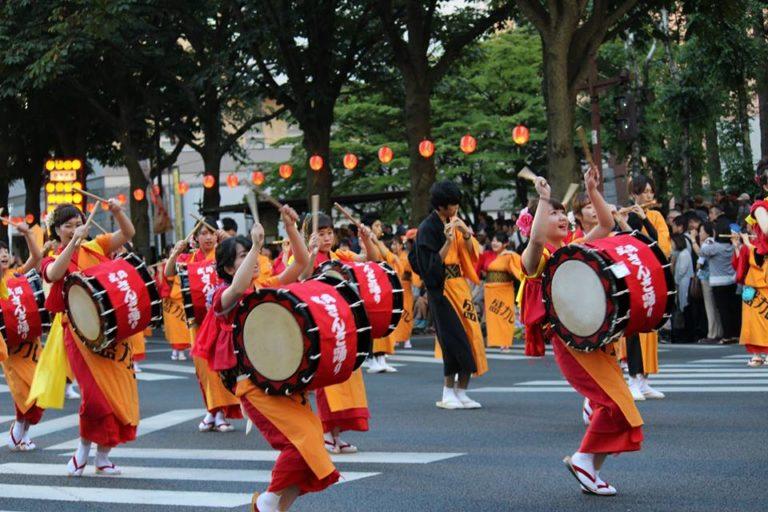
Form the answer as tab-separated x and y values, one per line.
350	161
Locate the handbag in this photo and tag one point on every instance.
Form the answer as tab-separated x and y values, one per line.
695	291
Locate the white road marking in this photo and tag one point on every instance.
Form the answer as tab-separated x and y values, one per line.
168	367
152	377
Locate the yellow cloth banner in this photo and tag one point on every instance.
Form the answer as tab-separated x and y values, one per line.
50	378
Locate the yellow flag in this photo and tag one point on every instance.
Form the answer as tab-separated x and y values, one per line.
50	380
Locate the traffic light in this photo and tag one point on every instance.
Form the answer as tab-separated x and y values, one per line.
626	117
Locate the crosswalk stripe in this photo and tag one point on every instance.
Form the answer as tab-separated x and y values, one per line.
146	426
4	419
152	377
662	380
431	354
164	473
217	500
4	389
270	456
714	371
55	425
712	361
416	359
688	374
667	388
167	367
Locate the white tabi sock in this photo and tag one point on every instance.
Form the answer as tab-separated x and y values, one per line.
220	418
449	394
585	461
83	449
102	456
267	502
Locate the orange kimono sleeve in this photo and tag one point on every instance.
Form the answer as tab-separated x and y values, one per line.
662	231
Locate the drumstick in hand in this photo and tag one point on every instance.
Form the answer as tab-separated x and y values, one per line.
202	220
10	221
569	193
585	145
192	233
93	196
315	200
268	198
87	224
527	174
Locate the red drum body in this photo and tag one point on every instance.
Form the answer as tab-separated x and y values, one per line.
112	301
24	317
599	291
378	286
298	337
197	280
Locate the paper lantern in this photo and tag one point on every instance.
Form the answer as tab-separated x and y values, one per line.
209	181
120	198
520	135
385	155
257	178
183	187
316	162
104	206
90	207
285	171
232	180
350	161
468	144
426	148
138	194
30	218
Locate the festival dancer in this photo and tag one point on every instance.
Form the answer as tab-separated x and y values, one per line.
615	425
409	279
19	367
109	413
501	272
444	257
220	403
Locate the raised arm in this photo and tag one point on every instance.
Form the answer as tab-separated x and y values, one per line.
248	268
170	263
125	231
605	222
35	254
536	242
366	236
300	251
56	270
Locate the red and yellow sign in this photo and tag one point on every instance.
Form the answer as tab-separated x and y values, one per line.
64	182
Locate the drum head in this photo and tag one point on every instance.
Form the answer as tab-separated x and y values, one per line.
275	351
84	313
578	298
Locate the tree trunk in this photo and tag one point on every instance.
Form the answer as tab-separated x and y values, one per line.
4	192
139	209
714	168
33	185
418	125
742	102
685	157
561	105
762	97
317	141
212	161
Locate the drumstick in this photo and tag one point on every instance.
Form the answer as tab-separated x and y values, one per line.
569	193
585	145
88	223
527	174
724	235
8	220
348	215
315	201
200	219
99	227
278	242
192	233
93	196
268	198
253	205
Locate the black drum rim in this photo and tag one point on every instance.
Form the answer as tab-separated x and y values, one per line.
36	283
186	297
156	302
103	303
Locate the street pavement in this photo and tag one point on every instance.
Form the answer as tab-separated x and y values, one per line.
704	449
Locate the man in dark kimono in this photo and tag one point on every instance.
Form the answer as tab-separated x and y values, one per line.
444	257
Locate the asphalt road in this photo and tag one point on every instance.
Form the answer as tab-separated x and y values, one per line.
704	449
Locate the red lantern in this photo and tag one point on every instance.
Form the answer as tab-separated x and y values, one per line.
121	198
520	135
138	194
29	219
385	155
257	178
315	162
209	181
90	207
350	161
105	206
285	171
468	144
183	187
232	180
426	148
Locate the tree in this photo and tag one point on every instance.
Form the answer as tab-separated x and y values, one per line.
571	33
414	29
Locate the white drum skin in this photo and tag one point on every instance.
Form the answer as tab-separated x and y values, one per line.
273	341
84	313
579	298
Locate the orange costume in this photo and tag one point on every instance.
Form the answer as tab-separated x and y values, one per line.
343	406
408	278
616	425
109	412
19	364
754	307
500	298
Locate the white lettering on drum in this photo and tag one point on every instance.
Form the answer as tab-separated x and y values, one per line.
22	327
338	327
130	297
373	284
643	275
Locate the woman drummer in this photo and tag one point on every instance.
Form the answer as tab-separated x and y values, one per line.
109	413
220	403
286	422
19	367
615	423
344	406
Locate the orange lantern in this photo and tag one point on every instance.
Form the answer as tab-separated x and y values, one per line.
90	207
209	181
232	180
183	187
257	178
30	218
104	206
121	198
426	148
138	194
285	171
520	135
315	162
350	161
468	144
385	155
